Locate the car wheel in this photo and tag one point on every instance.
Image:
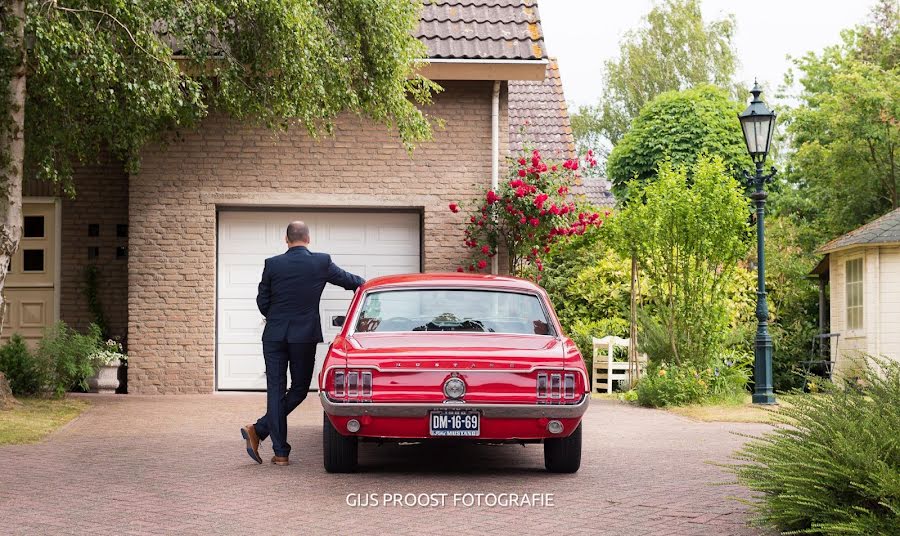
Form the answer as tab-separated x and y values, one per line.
339	451
563	454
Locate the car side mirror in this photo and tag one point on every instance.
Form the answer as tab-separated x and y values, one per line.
338	321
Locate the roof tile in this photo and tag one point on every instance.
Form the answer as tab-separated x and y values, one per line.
482	29
884	230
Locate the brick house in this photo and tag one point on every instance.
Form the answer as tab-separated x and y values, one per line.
177	248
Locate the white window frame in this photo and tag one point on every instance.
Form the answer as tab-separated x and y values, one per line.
858	330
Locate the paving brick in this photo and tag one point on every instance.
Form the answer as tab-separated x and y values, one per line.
176	465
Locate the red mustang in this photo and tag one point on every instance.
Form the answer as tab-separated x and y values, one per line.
478	357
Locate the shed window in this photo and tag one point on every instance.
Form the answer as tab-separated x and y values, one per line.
854	291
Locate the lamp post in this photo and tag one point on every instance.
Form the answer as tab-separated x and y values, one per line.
758	124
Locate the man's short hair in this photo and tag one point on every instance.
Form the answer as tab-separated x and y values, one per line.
297	231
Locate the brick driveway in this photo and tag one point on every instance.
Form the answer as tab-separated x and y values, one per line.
176	465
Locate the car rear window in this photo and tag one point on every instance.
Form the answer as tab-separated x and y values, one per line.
484	311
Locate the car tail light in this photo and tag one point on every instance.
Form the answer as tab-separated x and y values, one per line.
366	384
569	386
542	385
339	383
556	387
352	385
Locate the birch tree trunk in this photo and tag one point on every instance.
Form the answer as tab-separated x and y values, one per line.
12	139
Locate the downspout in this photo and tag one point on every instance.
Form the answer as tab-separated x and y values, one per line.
495	152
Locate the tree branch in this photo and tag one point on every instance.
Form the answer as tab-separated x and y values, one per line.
114	19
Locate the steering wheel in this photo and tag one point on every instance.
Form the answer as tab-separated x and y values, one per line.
391	324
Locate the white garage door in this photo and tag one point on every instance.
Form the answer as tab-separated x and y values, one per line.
366	244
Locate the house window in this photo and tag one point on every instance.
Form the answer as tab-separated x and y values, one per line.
33	227
93	229
122	230
33	260
854	290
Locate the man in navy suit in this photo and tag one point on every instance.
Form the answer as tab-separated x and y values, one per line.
289	295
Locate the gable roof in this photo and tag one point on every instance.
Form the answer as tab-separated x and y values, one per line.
482	29
539	115
598	191
884	230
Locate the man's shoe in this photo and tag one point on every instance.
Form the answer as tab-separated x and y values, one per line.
249	434
280	460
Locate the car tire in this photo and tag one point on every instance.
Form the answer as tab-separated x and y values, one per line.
339	451
563	454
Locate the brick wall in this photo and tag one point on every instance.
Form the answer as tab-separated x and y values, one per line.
102	199
172	279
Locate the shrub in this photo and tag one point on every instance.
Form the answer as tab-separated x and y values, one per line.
19	365
723	381
689	235
832	465
525	216
671	385
68	356
589	287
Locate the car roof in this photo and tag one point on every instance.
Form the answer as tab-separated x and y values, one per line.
451	279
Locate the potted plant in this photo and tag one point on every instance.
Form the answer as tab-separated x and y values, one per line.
106	359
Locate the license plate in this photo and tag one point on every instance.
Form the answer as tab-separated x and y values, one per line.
459	422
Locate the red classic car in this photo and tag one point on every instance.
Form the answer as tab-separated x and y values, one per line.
478	357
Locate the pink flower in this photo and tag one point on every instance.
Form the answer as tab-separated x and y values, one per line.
454	208
522	220
535	222
522	161
492	197
563	190
460	269
553	168
482	264
522	173
485	249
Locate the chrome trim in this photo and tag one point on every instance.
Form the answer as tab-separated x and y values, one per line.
587	384
544	303
488	411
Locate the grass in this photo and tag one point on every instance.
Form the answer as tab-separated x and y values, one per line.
744	411
36	418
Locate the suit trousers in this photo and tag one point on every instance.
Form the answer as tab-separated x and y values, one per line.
281	401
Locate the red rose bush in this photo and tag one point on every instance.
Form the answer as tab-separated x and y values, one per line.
525	215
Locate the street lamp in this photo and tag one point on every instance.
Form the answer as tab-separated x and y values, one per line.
758	124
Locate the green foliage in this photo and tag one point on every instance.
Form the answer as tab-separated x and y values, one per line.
793	298
67	357
846	129
92	295
18	364
723	381
589	285
688	239
524	216
674	49
832	465
101	74
679	126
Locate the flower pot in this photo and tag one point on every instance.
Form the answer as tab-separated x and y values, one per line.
106	380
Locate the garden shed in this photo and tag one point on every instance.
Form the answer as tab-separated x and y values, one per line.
863	267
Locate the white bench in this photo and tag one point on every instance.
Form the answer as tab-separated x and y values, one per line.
606	370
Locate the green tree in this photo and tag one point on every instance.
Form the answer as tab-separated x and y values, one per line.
688	236
87	76
846	130
673	49
679	126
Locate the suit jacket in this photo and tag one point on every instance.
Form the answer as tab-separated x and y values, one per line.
290	290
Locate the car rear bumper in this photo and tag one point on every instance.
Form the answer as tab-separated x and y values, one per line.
488	411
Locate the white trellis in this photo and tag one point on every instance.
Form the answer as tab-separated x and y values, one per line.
605	369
